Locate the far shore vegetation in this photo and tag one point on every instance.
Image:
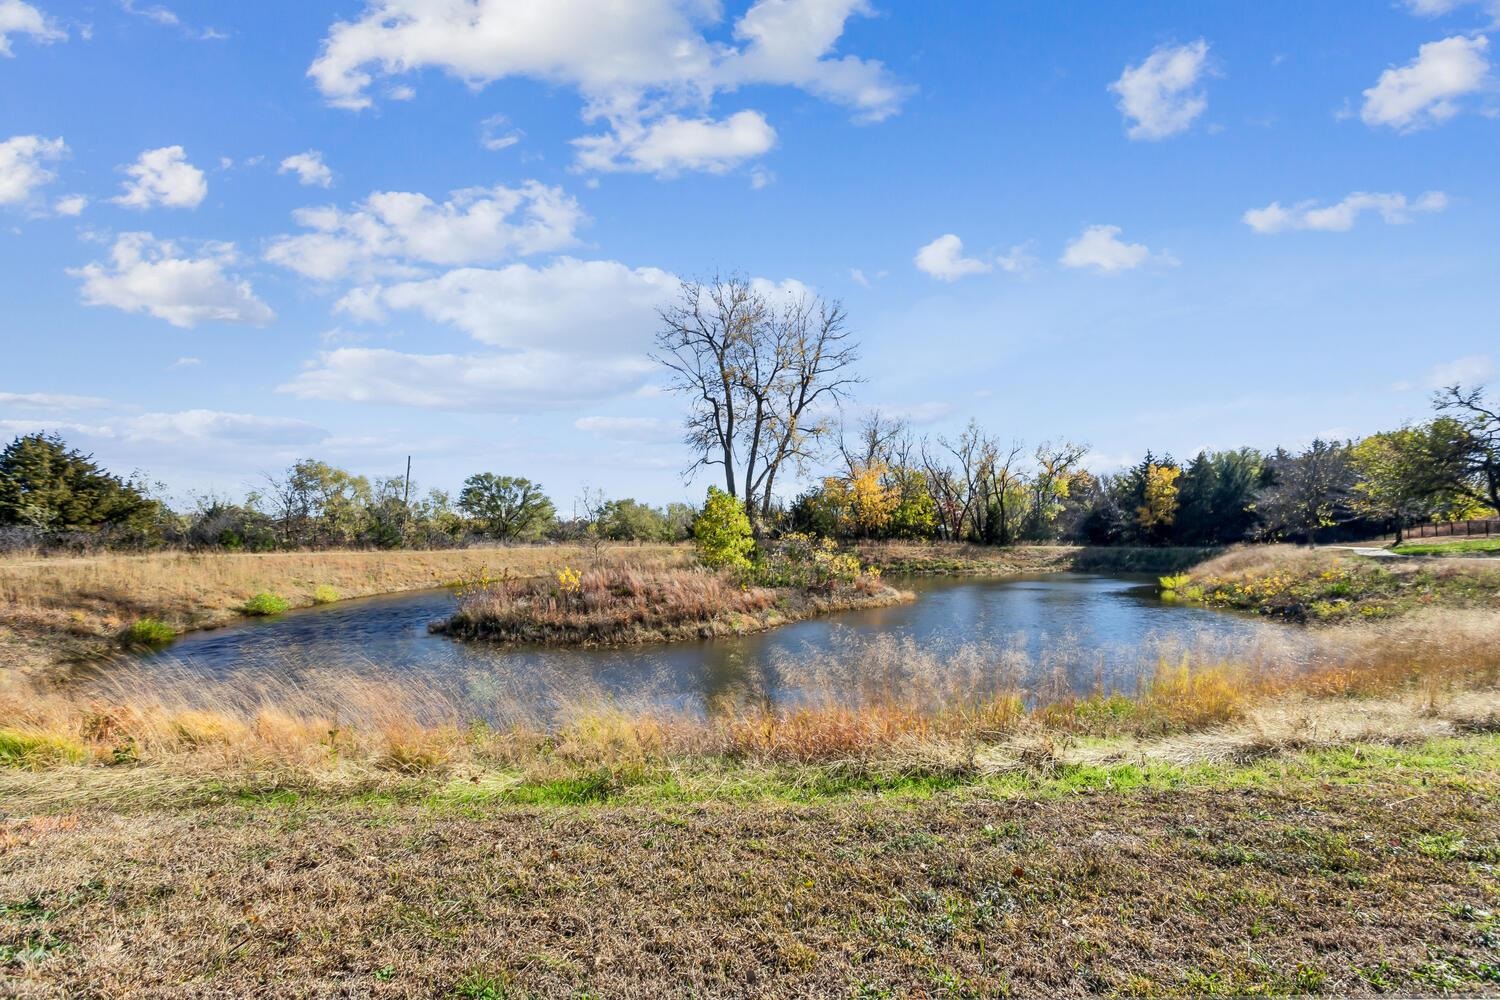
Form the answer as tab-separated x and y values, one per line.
740	587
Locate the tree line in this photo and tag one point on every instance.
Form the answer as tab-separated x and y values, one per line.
972	487
765	375
55	496
763	379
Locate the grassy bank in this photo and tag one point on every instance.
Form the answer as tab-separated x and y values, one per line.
78	605
1354	871
964	559
1328	585
1461	547
628	606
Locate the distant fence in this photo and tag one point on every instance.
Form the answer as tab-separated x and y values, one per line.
1482	528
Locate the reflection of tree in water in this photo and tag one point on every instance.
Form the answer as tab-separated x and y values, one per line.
735	679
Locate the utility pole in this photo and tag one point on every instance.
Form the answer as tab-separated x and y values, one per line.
406	493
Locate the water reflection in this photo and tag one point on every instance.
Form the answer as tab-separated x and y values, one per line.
1053	633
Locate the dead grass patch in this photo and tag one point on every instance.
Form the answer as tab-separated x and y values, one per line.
622	606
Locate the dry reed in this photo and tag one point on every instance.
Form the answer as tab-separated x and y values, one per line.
877	702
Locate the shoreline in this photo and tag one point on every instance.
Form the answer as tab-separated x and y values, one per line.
717	628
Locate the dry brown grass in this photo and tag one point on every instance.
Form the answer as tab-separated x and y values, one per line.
937	558
962	558
1356	878
94	597
628	605
1320	585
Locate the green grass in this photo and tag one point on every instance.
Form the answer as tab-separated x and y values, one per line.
21	749
1465	764
149	632
266	603
1468	546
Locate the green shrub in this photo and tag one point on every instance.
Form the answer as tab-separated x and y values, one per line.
1173	583
265	603
149	632
324	594
798	560
722	532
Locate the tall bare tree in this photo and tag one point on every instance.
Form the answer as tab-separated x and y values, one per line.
760	377
960	491
878	438
1480	421
702	342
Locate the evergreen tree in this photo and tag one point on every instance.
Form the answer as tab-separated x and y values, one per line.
45	484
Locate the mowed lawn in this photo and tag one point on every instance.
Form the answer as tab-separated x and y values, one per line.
1462	547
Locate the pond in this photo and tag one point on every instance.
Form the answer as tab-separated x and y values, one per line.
1044	635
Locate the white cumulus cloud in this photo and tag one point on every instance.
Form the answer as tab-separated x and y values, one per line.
587	306
670	145
1472	370
19	18
1161	96
500	383
637	65
1437	8
944	259
157	277
163	177
1426	91
70	204
309	168
390	230
23	165
1100	247
1341	216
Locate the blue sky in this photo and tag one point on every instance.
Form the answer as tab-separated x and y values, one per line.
232	235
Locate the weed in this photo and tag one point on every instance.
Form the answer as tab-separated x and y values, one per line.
38	750
481	986
149	632
265	603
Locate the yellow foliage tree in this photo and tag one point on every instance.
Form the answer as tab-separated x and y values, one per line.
864	502
1159	509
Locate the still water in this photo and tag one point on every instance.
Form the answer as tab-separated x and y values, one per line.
1058	631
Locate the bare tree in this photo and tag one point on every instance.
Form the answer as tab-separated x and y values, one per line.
757	377
1004	487
702	342
815	339
589	509
1309	491
878	438
960	491
1481	426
